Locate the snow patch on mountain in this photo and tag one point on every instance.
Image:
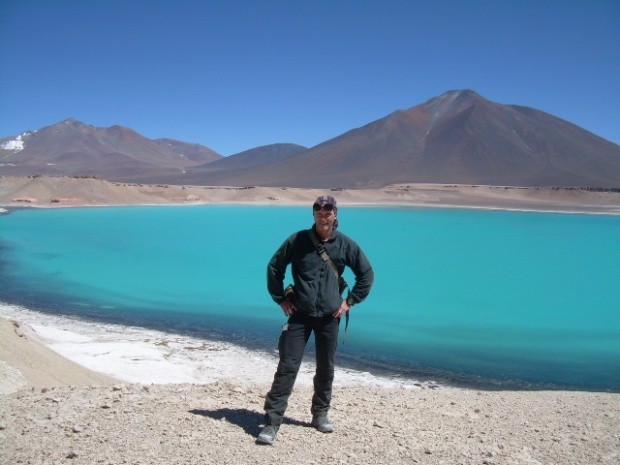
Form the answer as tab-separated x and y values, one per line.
14	145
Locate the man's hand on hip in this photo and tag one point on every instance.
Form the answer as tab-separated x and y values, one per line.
288	308
344	308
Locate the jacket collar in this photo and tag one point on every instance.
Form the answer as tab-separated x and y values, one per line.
331	237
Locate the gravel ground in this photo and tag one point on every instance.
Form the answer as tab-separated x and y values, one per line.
218	423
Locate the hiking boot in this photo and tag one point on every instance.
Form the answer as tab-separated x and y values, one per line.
267	435
322	424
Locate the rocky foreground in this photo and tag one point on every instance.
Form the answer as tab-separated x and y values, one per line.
187	424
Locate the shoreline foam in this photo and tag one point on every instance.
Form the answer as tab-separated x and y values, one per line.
149	356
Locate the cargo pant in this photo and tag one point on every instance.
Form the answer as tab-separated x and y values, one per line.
291	346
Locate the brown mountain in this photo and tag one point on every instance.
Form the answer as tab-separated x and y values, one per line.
238	165
195	152
116	153
458	137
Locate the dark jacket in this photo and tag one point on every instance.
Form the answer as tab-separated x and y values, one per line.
316	285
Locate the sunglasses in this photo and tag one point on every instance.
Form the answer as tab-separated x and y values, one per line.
327	207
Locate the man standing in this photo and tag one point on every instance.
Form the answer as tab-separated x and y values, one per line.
318	257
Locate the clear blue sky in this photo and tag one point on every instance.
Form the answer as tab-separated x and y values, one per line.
233	75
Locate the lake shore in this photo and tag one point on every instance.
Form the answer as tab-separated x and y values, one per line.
56	411
65	191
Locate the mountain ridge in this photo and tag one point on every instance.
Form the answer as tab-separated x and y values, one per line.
71	147
457	137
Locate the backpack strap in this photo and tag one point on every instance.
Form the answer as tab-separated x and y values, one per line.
323	253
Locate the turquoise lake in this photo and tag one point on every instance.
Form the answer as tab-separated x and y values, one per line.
492	299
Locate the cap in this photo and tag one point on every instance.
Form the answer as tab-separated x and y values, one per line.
326	200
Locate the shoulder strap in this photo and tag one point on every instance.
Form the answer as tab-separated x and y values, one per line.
323	253
325	257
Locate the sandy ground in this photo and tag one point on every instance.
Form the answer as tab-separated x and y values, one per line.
62	191
54	411
24	362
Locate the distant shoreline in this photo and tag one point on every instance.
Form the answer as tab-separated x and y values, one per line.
67	191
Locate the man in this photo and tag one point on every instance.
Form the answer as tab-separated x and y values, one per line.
318	257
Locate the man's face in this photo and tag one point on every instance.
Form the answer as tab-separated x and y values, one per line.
325	217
